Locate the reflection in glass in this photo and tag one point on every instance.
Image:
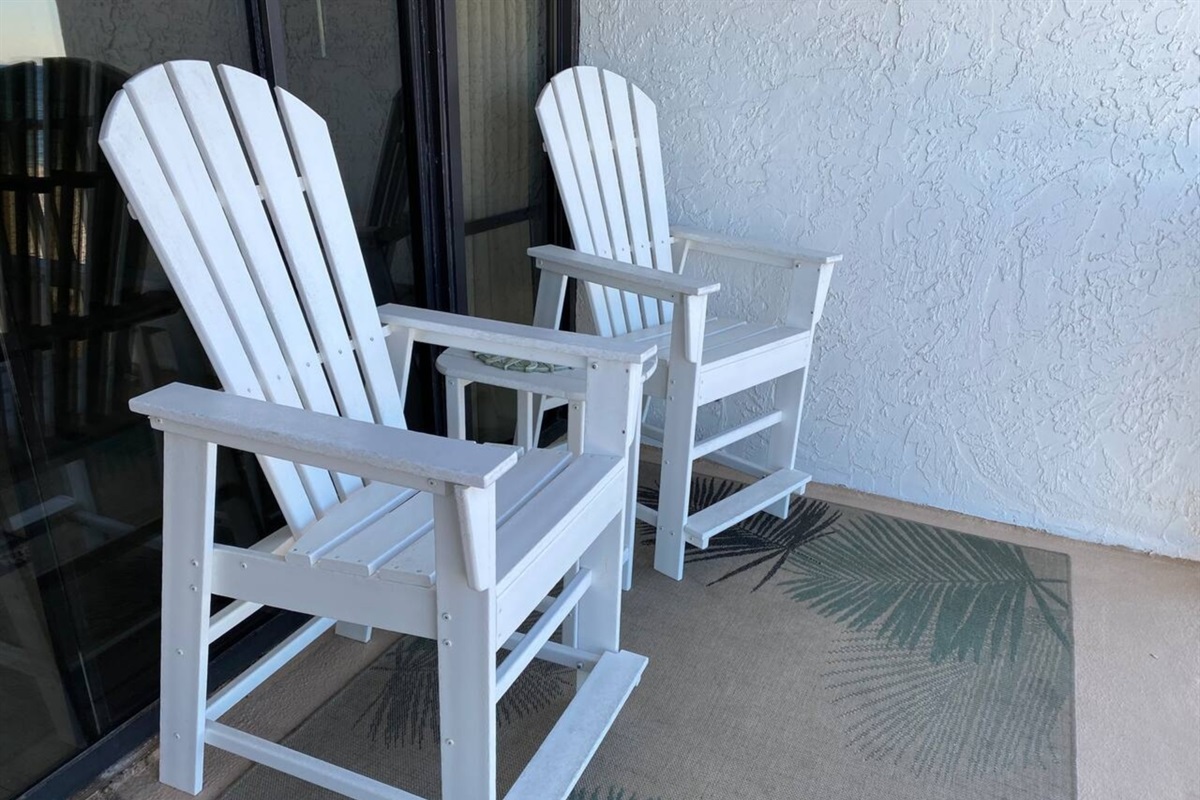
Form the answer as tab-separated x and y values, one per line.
87	320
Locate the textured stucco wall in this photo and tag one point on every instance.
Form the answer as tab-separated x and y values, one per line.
1015	332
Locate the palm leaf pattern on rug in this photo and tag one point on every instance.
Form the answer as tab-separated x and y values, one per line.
955	717
957	659
405	711
609	793
904	580
761	539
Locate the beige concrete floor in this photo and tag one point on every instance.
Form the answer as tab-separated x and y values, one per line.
1137	671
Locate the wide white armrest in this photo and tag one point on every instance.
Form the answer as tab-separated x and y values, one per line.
619	275
510	339
365	449
758	252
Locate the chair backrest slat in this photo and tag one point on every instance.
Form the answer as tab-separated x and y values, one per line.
282	189
186	172
566	93
155	204
275	293
616	93
572	198
602	136
645	121
595	115
309	136
203	105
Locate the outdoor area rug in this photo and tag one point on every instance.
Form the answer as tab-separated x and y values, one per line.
835	655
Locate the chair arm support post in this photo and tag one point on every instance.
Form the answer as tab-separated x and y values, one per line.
806	296
694	310
477	529
611	408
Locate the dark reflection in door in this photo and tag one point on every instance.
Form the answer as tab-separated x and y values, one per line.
87	320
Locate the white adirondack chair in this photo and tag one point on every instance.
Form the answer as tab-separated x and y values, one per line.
386	527
601	133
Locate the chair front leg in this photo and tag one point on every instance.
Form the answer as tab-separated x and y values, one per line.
466	628
529	420
675	485
679	435
598	615
189	481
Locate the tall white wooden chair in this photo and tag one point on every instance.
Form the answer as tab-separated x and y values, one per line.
385	527
601	133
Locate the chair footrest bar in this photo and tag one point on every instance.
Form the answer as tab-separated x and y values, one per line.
561	759
305	767
703	525
646	514
512	666
557	653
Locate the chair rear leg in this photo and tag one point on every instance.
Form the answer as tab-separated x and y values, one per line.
353	631
189	480
598	614
679	436
781	450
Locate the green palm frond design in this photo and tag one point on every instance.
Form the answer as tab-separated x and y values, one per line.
405	711
541	686
920	587
609	793
762	538
954	718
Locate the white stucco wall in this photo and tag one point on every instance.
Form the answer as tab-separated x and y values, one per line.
1015	333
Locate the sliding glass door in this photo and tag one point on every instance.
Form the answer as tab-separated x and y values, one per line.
430	107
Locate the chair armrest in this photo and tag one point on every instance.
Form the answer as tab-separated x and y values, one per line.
368	450
509	339
619	275
758	252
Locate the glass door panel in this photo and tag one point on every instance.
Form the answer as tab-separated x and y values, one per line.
344	60
502	57
87	320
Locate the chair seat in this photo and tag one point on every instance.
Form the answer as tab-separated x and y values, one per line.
736	355
386	532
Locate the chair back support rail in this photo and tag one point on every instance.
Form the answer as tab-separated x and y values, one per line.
240	196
